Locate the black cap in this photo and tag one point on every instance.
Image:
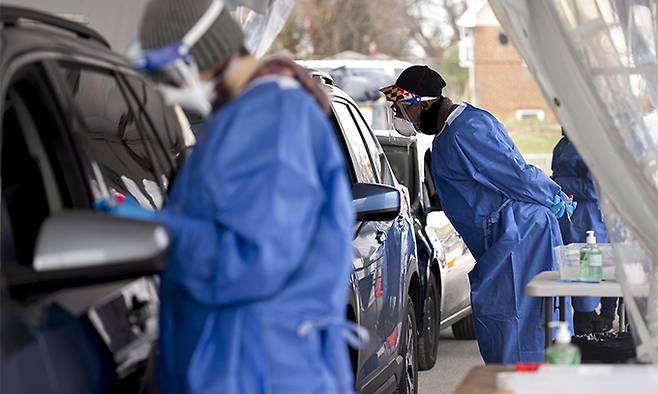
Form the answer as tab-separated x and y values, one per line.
421	80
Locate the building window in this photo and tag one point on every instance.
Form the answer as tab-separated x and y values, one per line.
502	38
466	48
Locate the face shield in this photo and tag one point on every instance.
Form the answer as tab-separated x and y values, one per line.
407	108
175	70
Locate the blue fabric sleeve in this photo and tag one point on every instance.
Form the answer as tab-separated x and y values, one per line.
499	164
260	206
238	268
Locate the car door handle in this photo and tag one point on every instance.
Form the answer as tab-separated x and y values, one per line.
381	236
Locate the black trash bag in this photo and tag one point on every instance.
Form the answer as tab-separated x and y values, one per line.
607	348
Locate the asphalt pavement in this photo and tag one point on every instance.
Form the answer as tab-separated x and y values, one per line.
455	359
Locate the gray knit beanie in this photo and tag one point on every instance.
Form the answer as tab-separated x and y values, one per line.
167	21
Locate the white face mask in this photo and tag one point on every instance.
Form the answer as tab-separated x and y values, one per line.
193	94
197	97
404	127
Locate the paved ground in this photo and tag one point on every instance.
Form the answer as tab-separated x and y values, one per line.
455	359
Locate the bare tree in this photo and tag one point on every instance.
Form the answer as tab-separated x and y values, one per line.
395	27
436	29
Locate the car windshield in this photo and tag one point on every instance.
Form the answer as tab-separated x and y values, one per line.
398	157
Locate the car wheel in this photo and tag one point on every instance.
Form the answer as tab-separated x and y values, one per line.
464	329
409	382
428	341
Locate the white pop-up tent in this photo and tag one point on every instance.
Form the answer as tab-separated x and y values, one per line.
596	62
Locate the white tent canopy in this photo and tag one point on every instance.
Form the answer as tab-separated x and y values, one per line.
596	62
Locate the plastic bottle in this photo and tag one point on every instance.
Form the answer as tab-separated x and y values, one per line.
562	352
591	261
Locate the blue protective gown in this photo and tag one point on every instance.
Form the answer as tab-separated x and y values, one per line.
501	207
572	174
254	296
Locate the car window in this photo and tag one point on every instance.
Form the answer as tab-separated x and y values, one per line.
430	193
113	136
161	120
376	154
357	149
25	171
398	157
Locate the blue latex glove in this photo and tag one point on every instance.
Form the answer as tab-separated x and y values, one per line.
571	207
569	203
129	209
559	206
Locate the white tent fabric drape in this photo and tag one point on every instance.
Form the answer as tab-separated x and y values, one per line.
263	22
596	62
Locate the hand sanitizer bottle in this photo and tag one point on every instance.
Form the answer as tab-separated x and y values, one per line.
562	352
591	261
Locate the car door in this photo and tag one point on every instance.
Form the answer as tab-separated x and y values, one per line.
400	245
457	261
35	186
126	142
370	257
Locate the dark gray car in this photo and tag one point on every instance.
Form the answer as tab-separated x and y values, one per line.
79	302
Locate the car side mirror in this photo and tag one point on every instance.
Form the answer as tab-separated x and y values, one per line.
82	248
437	219
373	202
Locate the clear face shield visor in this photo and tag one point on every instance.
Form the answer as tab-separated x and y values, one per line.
409	111
175	70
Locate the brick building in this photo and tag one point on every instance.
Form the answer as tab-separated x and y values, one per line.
499	80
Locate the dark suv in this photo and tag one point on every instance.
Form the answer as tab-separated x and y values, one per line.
385	286
443	258
79	302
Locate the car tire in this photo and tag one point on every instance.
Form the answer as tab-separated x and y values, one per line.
409	382
464	329
428	340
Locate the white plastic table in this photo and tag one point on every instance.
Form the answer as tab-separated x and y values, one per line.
548	285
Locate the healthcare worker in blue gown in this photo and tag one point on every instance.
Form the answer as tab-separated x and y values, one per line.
572	174
504	208
260	216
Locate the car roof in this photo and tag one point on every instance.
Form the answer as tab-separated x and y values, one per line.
26	30
336	92
384	65
322	77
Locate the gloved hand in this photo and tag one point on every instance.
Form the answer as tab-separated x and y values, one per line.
571	206
559	206
130	209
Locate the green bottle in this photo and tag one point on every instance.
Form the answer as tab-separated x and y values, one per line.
562	352
591	261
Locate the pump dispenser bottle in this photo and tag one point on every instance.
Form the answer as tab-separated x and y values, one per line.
591	261
562	352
